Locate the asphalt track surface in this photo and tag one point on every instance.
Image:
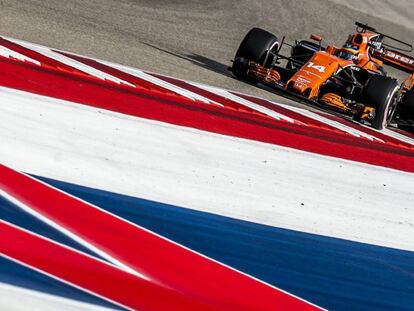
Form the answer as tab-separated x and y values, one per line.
195	39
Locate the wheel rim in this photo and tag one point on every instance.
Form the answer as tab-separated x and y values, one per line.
391	107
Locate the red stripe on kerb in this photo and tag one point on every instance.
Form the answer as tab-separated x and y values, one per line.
164	263
87	273
228	103
185	112
150	86
119	74
44	60
388	139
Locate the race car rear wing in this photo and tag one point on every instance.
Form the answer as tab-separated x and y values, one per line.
396	59
404	46
390	54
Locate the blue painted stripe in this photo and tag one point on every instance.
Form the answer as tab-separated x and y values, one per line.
333	273
18	275
15	215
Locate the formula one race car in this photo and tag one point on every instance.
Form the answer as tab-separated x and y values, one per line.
350	79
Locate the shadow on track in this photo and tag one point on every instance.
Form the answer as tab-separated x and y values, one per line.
212	65
198	60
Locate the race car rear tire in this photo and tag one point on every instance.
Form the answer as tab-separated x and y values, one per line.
382	93
407	107
256	46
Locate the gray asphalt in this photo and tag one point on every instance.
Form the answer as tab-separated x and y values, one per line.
193	39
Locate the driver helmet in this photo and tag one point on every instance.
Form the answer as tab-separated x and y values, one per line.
349	52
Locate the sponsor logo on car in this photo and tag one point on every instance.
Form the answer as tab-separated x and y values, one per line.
404	59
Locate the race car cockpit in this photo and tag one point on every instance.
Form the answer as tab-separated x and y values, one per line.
348	52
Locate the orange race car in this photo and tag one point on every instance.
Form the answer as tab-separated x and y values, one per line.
350	79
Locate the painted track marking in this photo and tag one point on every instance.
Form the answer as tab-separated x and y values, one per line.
6	52
169	86
245	102
70	62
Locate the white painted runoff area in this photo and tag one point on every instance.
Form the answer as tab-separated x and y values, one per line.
13	298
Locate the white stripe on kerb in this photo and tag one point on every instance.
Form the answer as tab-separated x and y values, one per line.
43	272
164	84
71	62
71	235
6	52
245	102
332	123
398	136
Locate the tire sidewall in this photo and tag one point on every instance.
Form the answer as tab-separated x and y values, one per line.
391	104
382	93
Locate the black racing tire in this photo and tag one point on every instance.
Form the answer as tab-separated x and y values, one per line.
382	93
256	46
407	106
240	68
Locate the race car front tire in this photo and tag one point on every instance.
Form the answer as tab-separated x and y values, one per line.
256	46
382	93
